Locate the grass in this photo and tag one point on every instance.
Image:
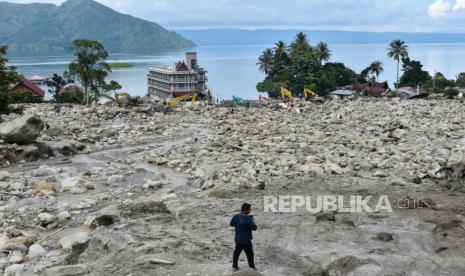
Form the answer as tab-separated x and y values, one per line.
119	65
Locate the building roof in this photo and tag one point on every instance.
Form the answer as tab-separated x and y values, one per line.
343	93
37	78
30	86
182	67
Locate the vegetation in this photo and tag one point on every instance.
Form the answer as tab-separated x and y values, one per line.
300	65
33	28
90	69
120	65
398	50
8	77
413	73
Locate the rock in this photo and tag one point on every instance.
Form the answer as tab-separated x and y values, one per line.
46	218
3	239
16	257
145	206
14	270
23	130
78	238
36	251
4	175
381	174
13	231
17	186
64	215
105	217
70	183
68	147
45	188
326	216
384	237
67	270
17	243
115	179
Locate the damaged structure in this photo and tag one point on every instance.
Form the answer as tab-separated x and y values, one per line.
186	77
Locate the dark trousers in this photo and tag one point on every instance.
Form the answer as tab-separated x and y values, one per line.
248	252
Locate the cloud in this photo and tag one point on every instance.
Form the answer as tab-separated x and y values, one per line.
352	15
459	5
439	9
444	9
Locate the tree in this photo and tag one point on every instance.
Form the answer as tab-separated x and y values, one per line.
398	50
460	82
441	83
300	44
265	61
323	52
90	69
8	77
56	83
413	73
376	68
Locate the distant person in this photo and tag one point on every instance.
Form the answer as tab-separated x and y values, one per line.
243	224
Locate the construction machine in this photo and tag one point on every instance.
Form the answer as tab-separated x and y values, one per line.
311	95
239	101
175	101
285	93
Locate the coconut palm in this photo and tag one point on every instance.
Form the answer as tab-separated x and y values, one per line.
280	51
323	52
300	44
376	68
398	50
265	61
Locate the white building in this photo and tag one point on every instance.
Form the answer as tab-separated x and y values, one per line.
184	78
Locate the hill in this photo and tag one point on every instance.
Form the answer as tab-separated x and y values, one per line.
32	28
269	37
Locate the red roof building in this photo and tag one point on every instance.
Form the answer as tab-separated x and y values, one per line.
27	85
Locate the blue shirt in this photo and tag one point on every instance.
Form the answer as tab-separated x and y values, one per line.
243	225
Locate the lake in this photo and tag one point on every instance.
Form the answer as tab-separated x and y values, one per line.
232	70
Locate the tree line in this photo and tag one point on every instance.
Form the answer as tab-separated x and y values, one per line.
301	65
86	76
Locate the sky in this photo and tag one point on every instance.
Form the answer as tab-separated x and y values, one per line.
355	15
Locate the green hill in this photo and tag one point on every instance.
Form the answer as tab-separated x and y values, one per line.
32	28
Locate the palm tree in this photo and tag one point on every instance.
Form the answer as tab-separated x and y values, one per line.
300	44
265	61
323	52
280	51
398	50
376	68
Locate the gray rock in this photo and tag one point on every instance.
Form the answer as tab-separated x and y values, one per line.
14	270
36	250
67	270
23	130
46	218
68	242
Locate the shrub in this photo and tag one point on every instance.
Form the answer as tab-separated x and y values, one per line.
24	96
76	97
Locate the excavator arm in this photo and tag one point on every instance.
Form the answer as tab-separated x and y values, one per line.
175	101
285	93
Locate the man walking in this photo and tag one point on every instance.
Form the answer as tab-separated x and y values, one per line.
243	224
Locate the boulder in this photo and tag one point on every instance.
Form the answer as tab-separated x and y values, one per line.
68	147
36	250
23	130
14	270
68	242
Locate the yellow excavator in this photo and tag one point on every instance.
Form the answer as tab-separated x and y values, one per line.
311	95
175	101
119	100
285	93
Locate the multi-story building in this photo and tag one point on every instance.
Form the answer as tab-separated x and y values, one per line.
184	78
